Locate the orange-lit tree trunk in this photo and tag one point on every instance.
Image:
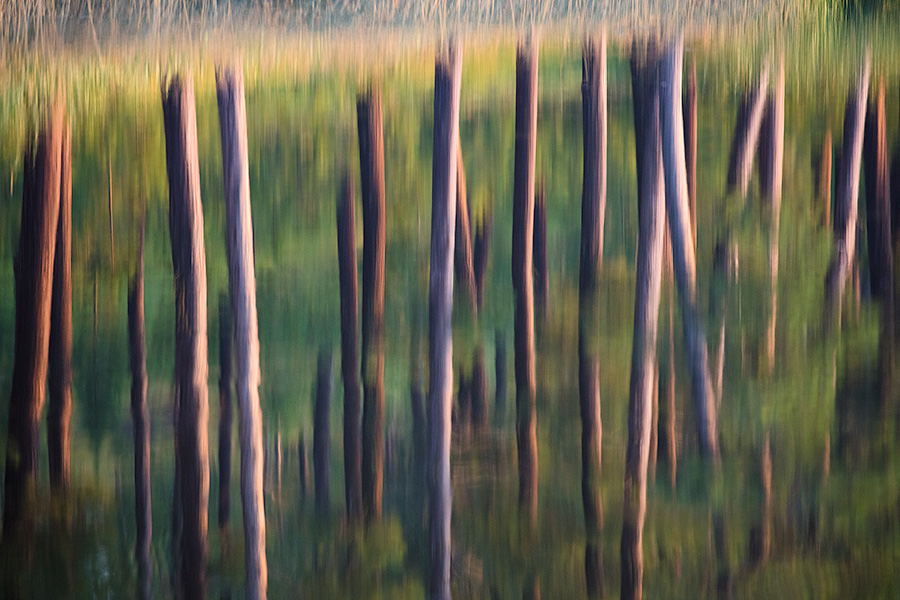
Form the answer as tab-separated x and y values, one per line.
464	261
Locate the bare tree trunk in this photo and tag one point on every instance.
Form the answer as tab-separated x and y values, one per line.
523	284
746	135
690	145
464	262
447	80
322	429
346	227
226	336
34	280
371	153
59	408
651	214
191	366
878	199
480	251
242	282
541	277
141	422
824	210
845	205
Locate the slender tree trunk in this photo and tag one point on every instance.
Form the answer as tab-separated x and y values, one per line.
746	135
480	251
371	152
242	283
523	283
464	262
322	429
59	408
226	336
824	209
191	366
672	137
651	215
33	280
541	278
346	228
878	199
479	390
773	170
845	205
447	80
141	422
690	145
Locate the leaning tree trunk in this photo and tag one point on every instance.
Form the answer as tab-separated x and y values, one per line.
346	232
33	280
878	199
191	367
141	421
59	408
845	205
672	138
447	79
523	282
226	337
371	155
322	430
651	217
242	284
593	212
746	135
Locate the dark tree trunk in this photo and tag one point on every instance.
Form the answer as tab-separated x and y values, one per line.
33	281
464	262
541	279
651	213
523	283
371	153
59	408
226	336
878	199
447	79
479	390
746	136
141	422
322	429
346	228
480	251
191	366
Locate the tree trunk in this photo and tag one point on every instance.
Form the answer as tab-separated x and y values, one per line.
878	199
226	336
447	80
371	153
672	137
845	205
651	218
480	251
322	430
33	280
59	408
141	422
773	171
541	279
191	366
346	228
523	284
464	262
746	135
690	146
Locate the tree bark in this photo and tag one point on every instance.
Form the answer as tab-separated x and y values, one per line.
322	430
523	283
59	408
191	366
746	135
541	276
371	153
447	81
33	280
141	422
845	205
878	199
646	312
672	137
346	228
226	337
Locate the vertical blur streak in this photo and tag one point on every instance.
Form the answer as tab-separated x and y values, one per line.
140	420
746	136
33	280
878	201
593	212
447	81
651	217
847	195
242	283
191	367
689	110
321	429
523	284
464	261
59	408
226	336
346	233
541	280
371	156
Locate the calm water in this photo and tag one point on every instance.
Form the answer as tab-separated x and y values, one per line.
821	404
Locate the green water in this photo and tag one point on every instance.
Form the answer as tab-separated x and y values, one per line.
830	398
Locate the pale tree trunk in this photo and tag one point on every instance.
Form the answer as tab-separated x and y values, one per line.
59	408
242	284
651	216
371	153
447	81
322	430
33	280
672	137
846	202
593	212
523	282
746	135
191	366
